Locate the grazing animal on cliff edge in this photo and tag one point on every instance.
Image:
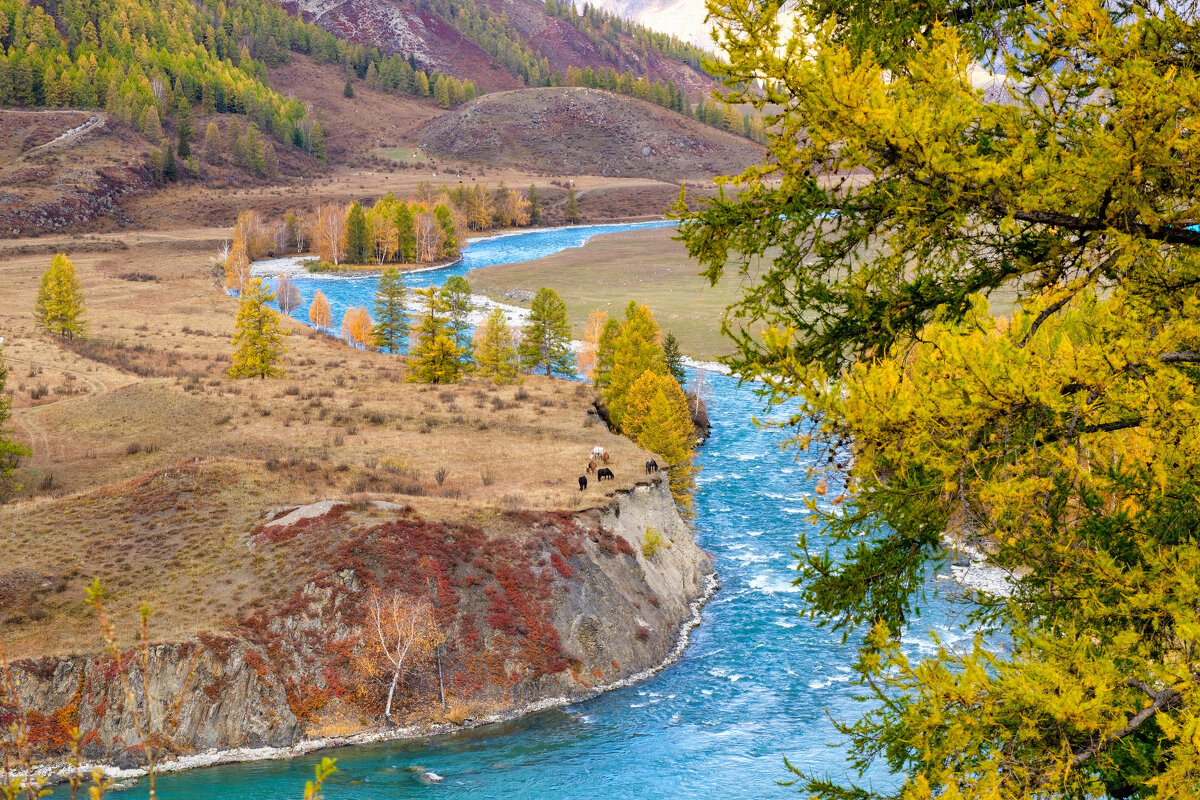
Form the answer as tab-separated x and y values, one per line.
605	474
582	482
651	466
591	468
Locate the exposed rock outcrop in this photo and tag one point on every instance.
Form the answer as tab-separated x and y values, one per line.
536	608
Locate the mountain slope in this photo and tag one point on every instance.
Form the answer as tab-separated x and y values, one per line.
682	18
504	44
586	132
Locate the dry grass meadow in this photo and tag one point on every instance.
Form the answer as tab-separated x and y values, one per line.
150	467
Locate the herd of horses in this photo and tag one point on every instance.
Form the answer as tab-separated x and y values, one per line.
603	473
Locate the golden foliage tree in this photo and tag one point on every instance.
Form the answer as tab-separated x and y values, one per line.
659	418
585	358
436	358
237	266
637	348
257	337
1061	441
495	354
318	312
59	307
398	633
330	232
357	327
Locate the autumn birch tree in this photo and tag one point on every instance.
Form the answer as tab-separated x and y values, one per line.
399	632
318	312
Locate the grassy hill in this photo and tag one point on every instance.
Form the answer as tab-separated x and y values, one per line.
586	131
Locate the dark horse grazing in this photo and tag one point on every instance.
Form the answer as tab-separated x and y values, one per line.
582	482
604	473
651	466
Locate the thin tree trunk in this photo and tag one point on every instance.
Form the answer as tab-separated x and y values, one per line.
387	711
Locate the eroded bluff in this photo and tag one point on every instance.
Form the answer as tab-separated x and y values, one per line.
531	608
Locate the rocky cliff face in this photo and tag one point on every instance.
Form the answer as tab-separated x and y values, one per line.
534	608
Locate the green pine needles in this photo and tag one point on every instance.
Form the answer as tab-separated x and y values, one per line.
546	340
391	318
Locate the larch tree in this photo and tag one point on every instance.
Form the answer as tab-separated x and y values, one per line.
212	143
318	312
406	233
658	418
456	291
391	316
495	355
602	371
571	211
637	348
287	295
357	327
59	308
358	235
436	358
535	205
900	210
546	339
257	338
11	452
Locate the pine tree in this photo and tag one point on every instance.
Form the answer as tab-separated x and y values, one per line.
436	357
348	89
59	306
674	359
11	452
318	312
257	337
391	319
495	356
535	205
635	350
456	291
358	235
571	212
546	340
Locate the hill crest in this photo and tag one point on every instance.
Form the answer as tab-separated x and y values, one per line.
583	131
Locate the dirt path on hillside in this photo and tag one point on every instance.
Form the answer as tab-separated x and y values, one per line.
65	138
27	417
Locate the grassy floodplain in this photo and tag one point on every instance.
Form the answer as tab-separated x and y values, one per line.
645	265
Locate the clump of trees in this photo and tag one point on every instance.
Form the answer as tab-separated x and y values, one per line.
425	228
257	338
59	308
639	394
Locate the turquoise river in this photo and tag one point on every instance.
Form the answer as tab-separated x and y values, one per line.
758	682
